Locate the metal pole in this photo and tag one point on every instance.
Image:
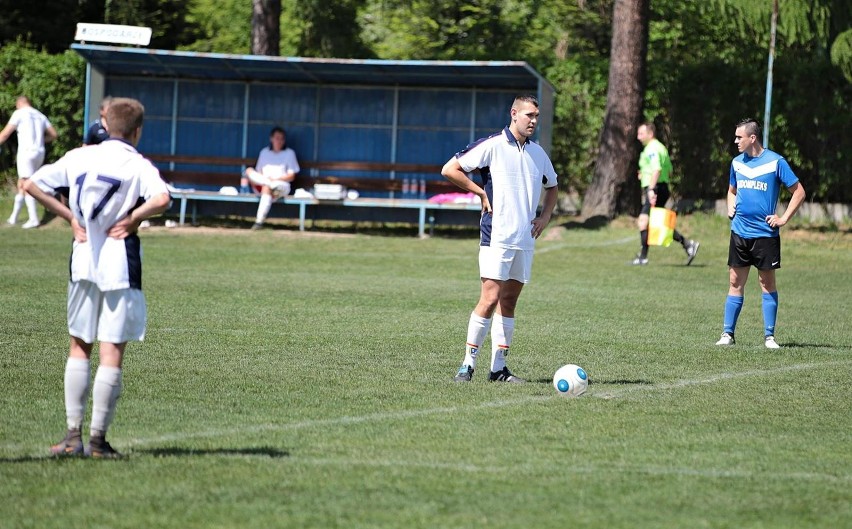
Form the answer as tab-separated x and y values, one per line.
767	108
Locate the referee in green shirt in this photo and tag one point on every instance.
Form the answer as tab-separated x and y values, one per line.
655	169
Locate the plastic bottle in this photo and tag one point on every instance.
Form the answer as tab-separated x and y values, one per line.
406	189
422	193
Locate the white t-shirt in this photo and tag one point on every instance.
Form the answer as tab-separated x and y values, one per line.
513	177
276	164
30	125
105	183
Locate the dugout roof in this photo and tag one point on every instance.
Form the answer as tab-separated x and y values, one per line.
218	66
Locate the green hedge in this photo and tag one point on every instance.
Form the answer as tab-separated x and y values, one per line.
54	83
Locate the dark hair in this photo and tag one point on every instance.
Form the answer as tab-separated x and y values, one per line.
751	127
278	128
526	98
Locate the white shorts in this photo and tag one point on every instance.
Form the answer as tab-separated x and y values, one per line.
28	163
503	264
279	187
116	316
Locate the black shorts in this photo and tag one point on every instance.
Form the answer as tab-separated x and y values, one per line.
764	253
662	198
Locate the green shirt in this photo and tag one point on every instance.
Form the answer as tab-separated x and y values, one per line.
655	157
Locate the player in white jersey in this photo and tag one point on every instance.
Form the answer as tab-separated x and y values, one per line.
514	171
34	130
111	190
274	171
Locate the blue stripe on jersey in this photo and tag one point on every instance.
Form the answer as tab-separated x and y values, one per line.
474	144
758	183
485	221
133	247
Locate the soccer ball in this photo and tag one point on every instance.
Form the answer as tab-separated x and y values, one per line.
571	380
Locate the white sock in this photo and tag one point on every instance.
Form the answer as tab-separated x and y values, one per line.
31	207
16	209
76	391
477	329
501	338
104	398
263	208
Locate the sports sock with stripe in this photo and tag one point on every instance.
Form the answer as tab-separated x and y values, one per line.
477	329
502	330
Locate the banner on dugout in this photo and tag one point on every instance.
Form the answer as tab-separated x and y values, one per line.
661	226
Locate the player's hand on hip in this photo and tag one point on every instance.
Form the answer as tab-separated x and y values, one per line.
775	221
123	228
79	231
486	204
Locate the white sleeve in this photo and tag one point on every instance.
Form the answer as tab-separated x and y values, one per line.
52	177
293	162
151	183
478	156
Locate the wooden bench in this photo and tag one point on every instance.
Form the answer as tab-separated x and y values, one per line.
306	178
448	212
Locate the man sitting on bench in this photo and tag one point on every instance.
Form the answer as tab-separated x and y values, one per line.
276	167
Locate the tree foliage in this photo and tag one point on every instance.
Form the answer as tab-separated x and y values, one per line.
54	84
706	65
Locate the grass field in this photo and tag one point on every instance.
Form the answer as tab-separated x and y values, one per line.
305	381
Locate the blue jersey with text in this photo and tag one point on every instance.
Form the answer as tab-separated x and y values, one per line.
758	182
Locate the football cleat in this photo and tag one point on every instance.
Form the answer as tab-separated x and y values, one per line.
639	261
257	226
504	375
34	223
691	251
726	339
99	448
770	343
464	375
71	445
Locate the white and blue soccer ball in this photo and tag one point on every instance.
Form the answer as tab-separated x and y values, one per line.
571	380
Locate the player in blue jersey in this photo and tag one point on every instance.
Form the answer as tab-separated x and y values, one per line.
111	189
755	181
514	171
97	130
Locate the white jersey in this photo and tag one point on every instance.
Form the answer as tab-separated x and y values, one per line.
513	176
276	164
30	125
104	183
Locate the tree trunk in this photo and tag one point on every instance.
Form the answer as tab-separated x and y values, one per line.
266	27
614	186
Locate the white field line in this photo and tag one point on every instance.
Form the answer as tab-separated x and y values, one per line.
452	410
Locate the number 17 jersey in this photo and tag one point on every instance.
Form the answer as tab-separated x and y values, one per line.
104	183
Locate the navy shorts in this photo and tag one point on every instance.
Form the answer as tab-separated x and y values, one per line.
662	198
764	253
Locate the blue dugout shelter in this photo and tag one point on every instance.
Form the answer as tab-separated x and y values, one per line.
408	112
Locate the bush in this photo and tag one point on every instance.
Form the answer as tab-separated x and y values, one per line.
56	86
